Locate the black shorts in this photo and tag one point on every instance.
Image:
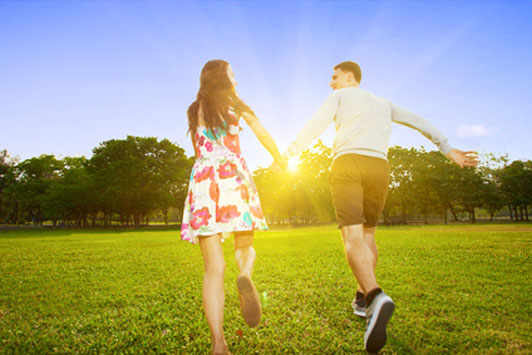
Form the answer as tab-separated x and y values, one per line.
359	185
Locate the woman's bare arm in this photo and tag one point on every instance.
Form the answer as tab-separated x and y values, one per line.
264	137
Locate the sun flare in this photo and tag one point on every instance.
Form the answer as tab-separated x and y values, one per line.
293	164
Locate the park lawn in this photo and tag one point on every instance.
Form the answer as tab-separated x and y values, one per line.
458	289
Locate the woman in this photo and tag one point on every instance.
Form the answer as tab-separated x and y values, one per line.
222	197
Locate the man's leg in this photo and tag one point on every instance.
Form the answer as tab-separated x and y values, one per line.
362	261
359	304
360	256
359	185
369	239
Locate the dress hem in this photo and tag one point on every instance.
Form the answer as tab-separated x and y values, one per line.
225	234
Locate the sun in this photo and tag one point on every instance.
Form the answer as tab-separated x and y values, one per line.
293	164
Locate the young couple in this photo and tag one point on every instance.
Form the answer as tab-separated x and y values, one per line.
222	197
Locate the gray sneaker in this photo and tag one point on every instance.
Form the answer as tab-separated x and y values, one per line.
359	307
378	314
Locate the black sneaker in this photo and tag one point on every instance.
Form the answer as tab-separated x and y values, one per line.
359	307
378	314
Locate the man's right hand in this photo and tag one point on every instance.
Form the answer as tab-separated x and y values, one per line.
462	158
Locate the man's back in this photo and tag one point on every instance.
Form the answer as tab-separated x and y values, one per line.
362	122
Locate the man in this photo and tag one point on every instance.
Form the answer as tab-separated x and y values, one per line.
359	180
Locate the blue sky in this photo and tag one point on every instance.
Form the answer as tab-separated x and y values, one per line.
76	73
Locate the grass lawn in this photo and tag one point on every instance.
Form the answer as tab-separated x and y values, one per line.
457	289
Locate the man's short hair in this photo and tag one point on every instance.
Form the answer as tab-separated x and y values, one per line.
352	67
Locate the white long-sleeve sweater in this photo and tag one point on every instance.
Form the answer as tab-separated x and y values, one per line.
363	124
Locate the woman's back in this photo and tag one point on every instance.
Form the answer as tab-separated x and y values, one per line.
218	141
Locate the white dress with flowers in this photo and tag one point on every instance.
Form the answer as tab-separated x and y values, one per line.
222	196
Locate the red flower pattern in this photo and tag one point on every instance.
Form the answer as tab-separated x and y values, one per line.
233	188
224	214
206	173
201	140
214	191
227	170
200	218
243	192
232	143
256	211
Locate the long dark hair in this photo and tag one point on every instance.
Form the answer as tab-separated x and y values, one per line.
216	95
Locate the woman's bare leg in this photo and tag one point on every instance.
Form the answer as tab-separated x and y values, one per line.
213	290
244	253
248	295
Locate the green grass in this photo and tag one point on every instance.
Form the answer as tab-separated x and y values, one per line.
458	289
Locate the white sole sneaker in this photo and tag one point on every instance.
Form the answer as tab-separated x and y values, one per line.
379	313
357	310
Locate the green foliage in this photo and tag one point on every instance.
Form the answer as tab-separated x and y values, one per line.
71	197
133	178
29	190
427	183
7	178
423	185
516	184
301	196
139	175
458	289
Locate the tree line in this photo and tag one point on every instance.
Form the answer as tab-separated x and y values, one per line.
128	181
125	181
424	186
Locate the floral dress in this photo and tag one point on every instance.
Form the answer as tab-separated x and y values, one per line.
222	196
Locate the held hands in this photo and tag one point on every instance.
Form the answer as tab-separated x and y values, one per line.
462	158
279	164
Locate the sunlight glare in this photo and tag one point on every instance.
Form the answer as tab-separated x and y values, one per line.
293	163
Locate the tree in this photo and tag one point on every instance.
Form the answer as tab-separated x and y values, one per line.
171	176
276	192
301	196
29	191
314	171
471	190
427	182
516	187
401	195
492	199
138	175
71	196
7	178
